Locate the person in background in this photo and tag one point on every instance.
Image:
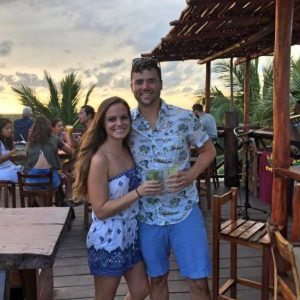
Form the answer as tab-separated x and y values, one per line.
8	169
58	130
296	109
207	121
85	116
161	138
42	151
107	177
21	126
67	166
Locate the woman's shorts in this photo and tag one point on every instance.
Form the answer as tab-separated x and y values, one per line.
55	176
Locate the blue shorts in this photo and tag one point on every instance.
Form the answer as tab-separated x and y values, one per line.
188	242
55	176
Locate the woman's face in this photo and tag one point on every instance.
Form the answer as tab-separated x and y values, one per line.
7	130
58	128
117	122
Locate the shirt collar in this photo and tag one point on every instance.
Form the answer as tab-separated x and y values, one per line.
165	109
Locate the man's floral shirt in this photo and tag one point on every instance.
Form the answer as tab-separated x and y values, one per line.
165	146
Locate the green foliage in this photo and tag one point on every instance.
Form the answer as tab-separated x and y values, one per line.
261	95
62	102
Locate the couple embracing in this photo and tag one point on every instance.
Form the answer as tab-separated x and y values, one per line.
135	222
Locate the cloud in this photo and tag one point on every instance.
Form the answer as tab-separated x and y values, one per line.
5	48
104	78
31	80
112	64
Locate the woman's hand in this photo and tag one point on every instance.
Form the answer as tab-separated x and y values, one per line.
150	187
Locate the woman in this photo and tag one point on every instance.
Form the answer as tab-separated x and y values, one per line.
8	170
58	130
42	150
107	176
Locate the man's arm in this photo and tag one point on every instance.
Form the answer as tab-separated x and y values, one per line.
206	155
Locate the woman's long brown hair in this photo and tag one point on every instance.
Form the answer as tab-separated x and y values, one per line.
92	139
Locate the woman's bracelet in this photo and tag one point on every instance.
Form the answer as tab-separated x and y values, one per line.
138	193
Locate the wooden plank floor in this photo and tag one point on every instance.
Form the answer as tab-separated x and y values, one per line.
71	273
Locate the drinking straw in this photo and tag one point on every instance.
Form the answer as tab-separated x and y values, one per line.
22	137
75	122
175	152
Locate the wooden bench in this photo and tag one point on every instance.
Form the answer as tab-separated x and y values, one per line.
29	241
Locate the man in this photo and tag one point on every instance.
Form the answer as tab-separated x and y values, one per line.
86	115
161	139
207	121
22	126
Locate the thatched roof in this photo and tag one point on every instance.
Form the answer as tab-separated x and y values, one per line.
211	29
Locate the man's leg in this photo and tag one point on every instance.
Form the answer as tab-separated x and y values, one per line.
159	287
190	246
199	289
154	244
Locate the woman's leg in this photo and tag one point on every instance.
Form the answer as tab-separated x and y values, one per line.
137	281
106	287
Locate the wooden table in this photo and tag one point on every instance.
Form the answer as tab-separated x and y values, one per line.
29	240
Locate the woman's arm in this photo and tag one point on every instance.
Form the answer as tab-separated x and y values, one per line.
7	156
67	149
98	190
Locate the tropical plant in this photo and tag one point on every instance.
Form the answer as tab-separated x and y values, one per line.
261	96
63	100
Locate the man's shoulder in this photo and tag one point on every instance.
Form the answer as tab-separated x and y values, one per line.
173	109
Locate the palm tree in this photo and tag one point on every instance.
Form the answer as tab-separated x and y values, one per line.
261	96
63	101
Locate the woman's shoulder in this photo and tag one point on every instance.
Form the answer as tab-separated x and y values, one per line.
100	159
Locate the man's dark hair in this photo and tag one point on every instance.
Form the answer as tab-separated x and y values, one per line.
198	107
145	63
89	110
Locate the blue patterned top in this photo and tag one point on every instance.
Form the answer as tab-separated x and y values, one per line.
168	144
112	232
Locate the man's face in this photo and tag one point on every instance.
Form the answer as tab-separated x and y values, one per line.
297	109
83	117
146	87
197	113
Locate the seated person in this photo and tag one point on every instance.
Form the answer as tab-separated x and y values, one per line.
21	126
8	169
59	130
42	151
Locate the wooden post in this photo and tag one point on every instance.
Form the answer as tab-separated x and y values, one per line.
231	161
246	94
246	121
207	88
284	11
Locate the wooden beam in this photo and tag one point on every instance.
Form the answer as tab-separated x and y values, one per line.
284	11
264	52
210	35
207	88
202	2
247	41
241	19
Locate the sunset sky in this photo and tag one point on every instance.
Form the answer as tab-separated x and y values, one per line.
95	38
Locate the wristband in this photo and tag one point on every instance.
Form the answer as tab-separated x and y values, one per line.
138	193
